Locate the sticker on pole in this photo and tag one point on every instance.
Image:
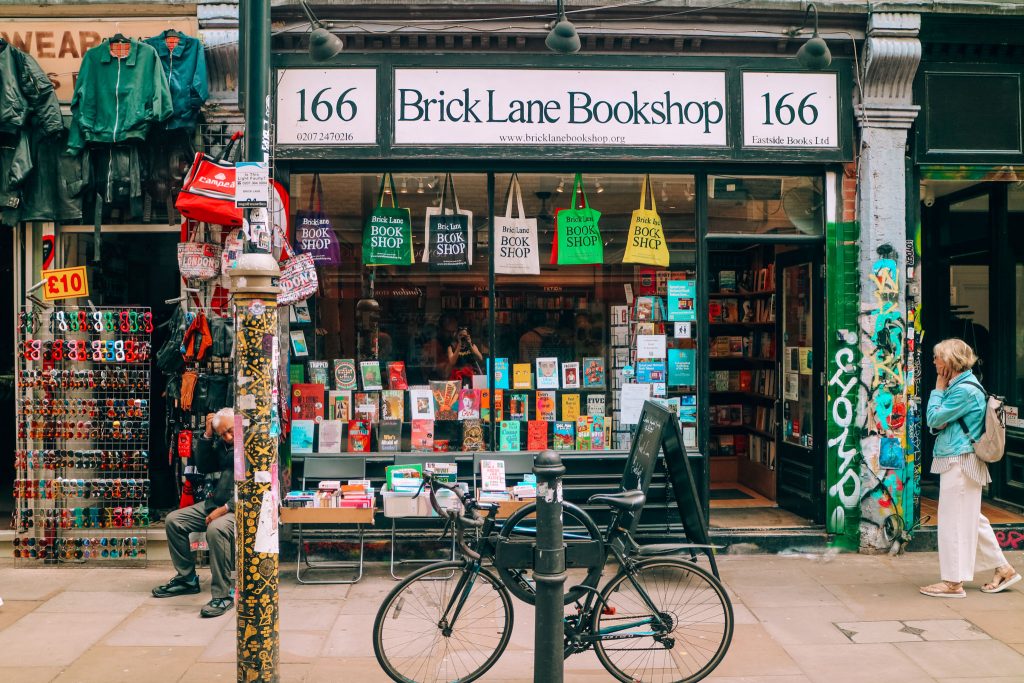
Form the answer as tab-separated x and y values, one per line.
67	283
252	185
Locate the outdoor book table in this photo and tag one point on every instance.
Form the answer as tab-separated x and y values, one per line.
333	524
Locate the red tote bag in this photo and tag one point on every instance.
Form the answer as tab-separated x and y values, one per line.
208	193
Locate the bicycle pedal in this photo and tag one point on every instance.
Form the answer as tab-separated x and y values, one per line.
607	611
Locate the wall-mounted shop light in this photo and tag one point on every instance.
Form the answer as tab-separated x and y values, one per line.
814	54
323	45
563	38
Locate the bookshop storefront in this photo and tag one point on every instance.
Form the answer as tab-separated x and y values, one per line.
514	254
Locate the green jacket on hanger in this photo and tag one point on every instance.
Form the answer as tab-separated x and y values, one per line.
185	67
25	91
118	99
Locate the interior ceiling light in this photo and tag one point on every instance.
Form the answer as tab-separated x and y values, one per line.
814	54
563	37
405	187
598	186
323	45
561	186
419	188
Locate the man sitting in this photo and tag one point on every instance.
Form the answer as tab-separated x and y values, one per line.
215	515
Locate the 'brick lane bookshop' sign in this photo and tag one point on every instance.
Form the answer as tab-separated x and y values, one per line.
558	108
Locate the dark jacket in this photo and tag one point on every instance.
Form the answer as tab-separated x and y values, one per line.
26	93
185	68
216	460
118	99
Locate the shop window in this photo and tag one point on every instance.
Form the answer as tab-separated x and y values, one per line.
766	205
563	339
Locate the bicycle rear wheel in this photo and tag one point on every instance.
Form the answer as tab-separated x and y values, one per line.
414	639
694	632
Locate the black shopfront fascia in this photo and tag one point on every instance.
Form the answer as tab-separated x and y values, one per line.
698	162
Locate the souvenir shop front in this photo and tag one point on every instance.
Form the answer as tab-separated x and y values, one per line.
514	254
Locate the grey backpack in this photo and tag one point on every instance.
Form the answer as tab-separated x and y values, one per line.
990	445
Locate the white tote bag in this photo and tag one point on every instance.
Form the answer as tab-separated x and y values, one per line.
516	249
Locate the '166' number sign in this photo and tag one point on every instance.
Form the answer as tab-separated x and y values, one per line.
327	107
790	110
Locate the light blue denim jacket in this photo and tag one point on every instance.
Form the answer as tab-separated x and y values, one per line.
945	408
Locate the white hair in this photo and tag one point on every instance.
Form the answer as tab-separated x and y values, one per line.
222	416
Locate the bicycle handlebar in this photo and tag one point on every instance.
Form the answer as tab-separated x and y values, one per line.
459	520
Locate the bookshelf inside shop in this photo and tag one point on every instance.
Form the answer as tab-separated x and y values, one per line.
743	381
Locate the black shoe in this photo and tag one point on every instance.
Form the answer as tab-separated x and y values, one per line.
177	586
216	607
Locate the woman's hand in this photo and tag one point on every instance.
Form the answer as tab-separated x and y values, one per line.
945	375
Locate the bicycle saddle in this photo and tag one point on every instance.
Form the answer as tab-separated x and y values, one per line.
624	500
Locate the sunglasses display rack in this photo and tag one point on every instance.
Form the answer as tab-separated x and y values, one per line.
83	413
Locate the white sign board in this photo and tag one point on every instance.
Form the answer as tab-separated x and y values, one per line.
327	107
559	108
790	110
252	184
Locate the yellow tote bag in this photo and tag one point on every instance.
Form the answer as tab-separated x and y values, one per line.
646	244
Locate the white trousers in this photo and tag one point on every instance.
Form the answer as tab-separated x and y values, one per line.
966	541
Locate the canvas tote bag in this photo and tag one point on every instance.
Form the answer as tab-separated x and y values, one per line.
448	233
516	248
314	234
577	236
646	244
387	235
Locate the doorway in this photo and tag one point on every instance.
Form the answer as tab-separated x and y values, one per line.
765	350
972	246
138	267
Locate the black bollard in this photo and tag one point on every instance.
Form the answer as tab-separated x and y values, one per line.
549	571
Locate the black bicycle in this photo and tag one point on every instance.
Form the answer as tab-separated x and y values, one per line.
660	619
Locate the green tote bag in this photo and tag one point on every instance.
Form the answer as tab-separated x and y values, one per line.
577	236
387	236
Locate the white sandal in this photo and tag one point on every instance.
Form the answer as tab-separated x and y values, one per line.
1002	583
943	589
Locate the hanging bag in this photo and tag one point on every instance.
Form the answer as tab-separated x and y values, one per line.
208	193
298	279
314	234
516	248
577	237
387	235
646	244
448	233
197	258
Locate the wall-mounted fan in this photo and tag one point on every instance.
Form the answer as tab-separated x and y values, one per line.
803	206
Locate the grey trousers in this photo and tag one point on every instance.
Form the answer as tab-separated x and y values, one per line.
220	537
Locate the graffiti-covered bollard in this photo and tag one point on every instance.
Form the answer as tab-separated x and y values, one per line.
549	571
254	291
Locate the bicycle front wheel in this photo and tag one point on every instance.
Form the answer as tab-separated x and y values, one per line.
681	640
446	623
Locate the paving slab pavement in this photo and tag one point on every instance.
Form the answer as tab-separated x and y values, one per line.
799	619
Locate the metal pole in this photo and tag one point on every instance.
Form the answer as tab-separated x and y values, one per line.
254	290
549	571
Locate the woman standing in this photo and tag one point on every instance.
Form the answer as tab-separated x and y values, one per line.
956	414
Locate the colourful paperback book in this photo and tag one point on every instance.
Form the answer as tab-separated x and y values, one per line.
522	378
370	370
446	399
345	374
302	436
546	405
596	405
339	405
570	375
472	435
359	436
396	375
547	373
682	367
366	406
598	435
318	372
564	436
510	435
570	407
422	435
499	405
389	436
501	373
469	404
593	373
308	402
392	405
536	435
584	437
421	400
296	373
518	407
329	440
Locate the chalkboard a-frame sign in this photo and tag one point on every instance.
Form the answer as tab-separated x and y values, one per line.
658	430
